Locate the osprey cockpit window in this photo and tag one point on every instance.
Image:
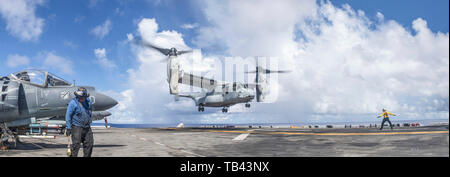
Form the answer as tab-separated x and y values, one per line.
53	80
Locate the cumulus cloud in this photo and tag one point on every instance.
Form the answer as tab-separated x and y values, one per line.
21	20
345	66
348	67
341	64
16	60
233	25
102	30
147	97
100	54
52	61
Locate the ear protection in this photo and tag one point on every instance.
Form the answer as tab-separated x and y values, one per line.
81	92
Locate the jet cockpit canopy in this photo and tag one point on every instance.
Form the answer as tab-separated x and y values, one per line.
41	78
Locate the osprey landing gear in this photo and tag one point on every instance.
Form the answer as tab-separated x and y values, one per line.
225	109
247	105
8	138
201	108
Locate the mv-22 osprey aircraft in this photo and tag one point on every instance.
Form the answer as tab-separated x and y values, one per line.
218	93
41	95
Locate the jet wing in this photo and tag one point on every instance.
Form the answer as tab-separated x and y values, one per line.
197	81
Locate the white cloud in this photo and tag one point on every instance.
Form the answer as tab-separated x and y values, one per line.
53	61
147	96
345	66
341	64
380	16
123	113
15	60
267	23
21	19
189	26
102	30
147	99
100	54
371	69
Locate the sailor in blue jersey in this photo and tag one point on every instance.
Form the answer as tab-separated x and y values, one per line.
78	123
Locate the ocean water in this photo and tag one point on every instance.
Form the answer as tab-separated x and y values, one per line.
299	124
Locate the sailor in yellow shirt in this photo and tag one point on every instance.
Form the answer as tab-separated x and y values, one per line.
386	114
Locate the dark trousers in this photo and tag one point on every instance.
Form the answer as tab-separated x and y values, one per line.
85	136
384	120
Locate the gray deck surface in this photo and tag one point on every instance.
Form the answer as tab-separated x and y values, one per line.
265	142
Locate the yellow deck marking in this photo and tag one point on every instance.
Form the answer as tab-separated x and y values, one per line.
381	133
336	134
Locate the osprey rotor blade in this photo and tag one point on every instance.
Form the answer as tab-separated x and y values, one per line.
167	52
141	42
161	50
266	71
280	71
250	72
183	52
262	70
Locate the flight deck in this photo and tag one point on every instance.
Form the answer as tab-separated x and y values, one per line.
428	141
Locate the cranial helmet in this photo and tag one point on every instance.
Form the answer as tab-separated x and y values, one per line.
384	109
81	92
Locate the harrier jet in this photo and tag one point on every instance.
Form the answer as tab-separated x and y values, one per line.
39	94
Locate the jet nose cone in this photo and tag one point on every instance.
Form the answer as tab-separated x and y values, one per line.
103	102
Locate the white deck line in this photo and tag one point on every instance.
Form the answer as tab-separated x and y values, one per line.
241	137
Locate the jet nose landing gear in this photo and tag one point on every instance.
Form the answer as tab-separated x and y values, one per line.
247	105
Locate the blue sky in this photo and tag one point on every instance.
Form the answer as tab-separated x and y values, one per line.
73	31
67	33
405	11
68	25
70	22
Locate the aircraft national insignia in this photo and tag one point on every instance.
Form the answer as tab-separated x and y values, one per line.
64	95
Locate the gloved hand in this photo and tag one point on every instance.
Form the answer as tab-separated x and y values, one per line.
68	132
